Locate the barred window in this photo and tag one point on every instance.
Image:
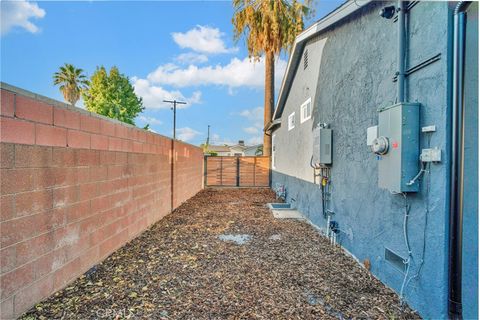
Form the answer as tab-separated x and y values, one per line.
306	110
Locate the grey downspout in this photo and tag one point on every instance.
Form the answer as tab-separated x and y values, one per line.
401	52
457	163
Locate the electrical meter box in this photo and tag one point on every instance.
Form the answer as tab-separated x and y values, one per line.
322	146
397	147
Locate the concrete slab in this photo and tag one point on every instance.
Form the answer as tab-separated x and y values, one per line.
236	238
287	214
279	206
275	237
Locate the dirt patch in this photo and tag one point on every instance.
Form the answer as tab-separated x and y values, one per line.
180	269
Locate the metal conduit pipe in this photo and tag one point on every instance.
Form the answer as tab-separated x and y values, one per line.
401	52
457	165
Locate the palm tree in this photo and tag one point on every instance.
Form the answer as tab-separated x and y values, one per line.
269	27
72	82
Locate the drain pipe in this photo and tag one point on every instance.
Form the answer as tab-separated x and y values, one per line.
457	169
401	52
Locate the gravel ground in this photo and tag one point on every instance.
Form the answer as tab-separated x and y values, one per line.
181	269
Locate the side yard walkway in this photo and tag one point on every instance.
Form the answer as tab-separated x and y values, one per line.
222	255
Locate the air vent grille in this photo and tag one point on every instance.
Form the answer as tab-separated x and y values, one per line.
395	260
305	59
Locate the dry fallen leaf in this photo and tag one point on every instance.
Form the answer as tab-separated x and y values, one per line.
179	268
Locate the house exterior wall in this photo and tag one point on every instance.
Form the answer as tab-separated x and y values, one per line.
75	187
298	149
252	150
354	78
470	209
223	153
236	151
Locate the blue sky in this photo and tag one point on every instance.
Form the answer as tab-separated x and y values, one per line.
169	49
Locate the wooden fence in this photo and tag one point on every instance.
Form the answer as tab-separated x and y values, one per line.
237	171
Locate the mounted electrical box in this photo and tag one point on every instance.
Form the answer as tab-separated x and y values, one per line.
322	145
397	147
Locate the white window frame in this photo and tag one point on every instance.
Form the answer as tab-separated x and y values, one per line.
303	107
273	151
291	123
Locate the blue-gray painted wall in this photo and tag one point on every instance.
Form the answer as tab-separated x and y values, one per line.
470	208
358	62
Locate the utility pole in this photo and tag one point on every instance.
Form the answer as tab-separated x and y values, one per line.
208	136
172	150
174	108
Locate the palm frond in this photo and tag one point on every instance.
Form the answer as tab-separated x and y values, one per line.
268	25
72	81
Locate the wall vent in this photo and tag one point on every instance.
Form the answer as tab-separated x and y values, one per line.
395	260
305	59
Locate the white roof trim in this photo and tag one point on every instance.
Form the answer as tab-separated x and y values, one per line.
336	15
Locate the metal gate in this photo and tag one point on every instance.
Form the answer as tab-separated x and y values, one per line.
237	171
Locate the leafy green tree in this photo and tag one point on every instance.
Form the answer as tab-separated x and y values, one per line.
269	26
72	82
112	95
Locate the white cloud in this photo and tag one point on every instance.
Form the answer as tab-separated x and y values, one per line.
256	133
237	73
216	139
254	114
187	134
150	120
153	95
202	39
251	130
18	14
255	140
191	58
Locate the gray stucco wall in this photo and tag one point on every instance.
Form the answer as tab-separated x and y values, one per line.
354	79
303	88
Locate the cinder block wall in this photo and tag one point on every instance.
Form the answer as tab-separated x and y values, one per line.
75	187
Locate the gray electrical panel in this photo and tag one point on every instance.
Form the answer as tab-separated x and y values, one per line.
322	146
397	147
